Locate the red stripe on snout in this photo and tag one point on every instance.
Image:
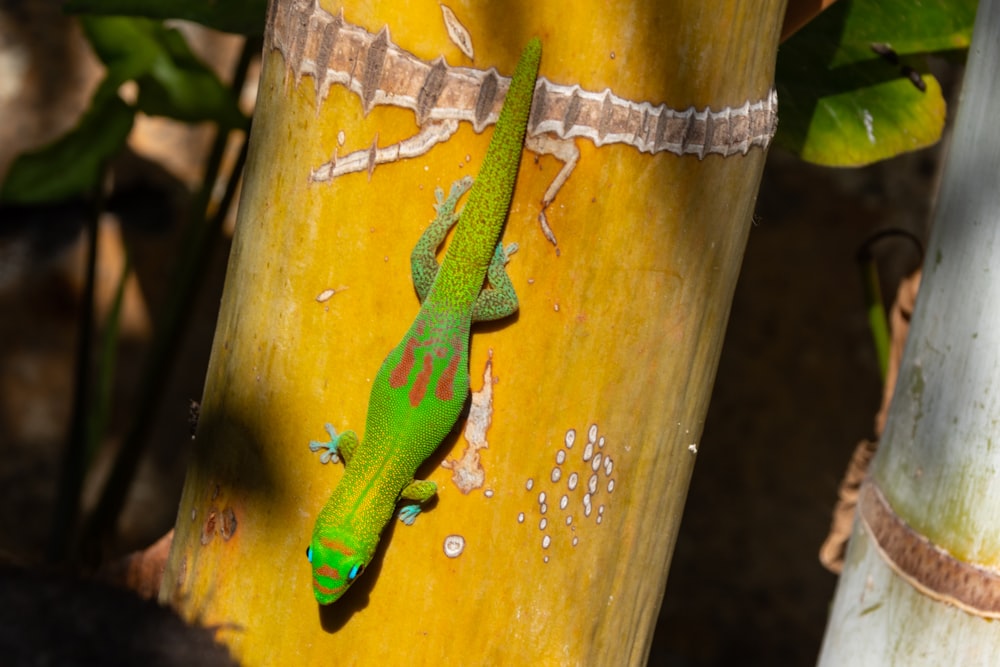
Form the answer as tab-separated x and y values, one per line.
335	545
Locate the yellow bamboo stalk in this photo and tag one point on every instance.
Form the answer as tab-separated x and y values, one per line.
560	500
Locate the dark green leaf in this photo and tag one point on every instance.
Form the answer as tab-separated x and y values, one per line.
843	104
245	17
173	82
74	164
127	46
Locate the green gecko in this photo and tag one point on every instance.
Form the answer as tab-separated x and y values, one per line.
422	386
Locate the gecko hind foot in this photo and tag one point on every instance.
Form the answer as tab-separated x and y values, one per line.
458	188
505	253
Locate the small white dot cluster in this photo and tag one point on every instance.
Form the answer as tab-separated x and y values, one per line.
575	485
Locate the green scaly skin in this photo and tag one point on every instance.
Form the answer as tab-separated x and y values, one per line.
422	386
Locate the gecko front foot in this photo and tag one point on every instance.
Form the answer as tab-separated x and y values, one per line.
340	445
408	514
331	446
419	490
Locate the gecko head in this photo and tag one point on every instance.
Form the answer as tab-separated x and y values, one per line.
336	563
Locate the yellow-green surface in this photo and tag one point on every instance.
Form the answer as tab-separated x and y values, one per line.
616	341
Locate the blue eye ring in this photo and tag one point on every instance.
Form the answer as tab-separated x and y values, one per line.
309	553
355	572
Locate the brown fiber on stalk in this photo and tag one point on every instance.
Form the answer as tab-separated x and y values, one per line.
924	565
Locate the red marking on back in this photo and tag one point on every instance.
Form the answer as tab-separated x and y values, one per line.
421	381
401	373
335	545
445	389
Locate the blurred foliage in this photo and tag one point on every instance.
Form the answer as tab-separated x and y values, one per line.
171	82
245	17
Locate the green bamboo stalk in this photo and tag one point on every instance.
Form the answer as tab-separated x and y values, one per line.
921	580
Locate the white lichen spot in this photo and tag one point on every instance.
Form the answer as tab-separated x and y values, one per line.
468	472
454	545
693	448
520	517
555	307
530	483
583	473
457	33
341	138
325	295
194	513
488	493
545	559
546	541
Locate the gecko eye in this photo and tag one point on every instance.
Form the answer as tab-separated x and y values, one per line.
355	572
309	553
